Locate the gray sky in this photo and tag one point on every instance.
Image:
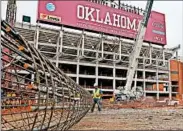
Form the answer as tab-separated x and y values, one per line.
173	11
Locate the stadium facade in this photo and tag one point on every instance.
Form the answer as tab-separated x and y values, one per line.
88	55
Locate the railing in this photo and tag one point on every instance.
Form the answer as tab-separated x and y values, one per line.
124	7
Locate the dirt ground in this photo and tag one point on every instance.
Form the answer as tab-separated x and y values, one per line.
164	118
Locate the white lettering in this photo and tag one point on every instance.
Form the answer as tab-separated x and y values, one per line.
81	14
89	13
116	20
98	14
107	19
123	22
131	25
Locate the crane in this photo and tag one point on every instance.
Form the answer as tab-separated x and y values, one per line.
137	48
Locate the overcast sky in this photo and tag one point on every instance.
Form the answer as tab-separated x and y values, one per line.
173	11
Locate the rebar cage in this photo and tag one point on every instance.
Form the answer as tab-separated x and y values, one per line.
35	94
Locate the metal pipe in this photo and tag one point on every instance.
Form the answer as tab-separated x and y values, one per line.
119	4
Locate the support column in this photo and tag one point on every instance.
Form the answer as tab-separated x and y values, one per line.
157	80
102	42
77	71
83	41
78	56
170	82
120	44
36	38
97	61
77	68
36	42
114	72
59	46
144	83
61	41
164	63
150	53
96	68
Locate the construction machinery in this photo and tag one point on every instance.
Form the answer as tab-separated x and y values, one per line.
127	92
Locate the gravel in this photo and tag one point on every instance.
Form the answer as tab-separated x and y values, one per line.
133	119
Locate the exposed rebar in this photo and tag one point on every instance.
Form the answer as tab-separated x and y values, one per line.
36	95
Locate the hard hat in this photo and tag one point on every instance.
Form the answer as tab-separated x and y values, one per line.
95	85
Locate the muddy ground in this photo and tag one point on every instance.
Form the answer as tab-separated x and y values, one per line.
165	118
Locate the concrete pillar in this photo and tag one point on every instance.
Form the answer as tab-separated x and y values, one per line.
164	57
83	41
77	72
61	40
78	56
96	68
120	43
59	46
157	82
170	81
36	38
102	43
77	68
36	42
114	72
144	82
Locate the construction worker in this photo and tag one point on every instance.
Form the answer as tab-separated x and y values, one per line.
77	99
97	94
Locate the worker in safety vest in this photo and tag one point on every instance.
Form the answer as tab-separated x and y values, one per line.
97	95
77	99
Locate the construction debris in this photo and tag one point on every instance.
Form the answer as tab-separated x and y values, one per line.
164	118
147	102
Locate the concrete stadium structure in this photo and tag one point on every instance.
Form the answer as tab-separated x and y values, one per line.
88	58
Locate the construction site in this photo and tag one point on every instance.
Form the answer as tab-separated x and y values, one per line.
49	70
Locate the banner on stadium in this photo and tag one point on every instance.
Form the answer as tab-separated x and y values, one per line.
100	18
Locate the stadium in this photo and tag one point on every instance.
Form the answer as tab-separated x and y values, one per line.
83	53
89	50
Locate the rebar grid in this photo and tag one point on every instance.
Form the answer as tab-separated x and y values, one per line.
36	95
